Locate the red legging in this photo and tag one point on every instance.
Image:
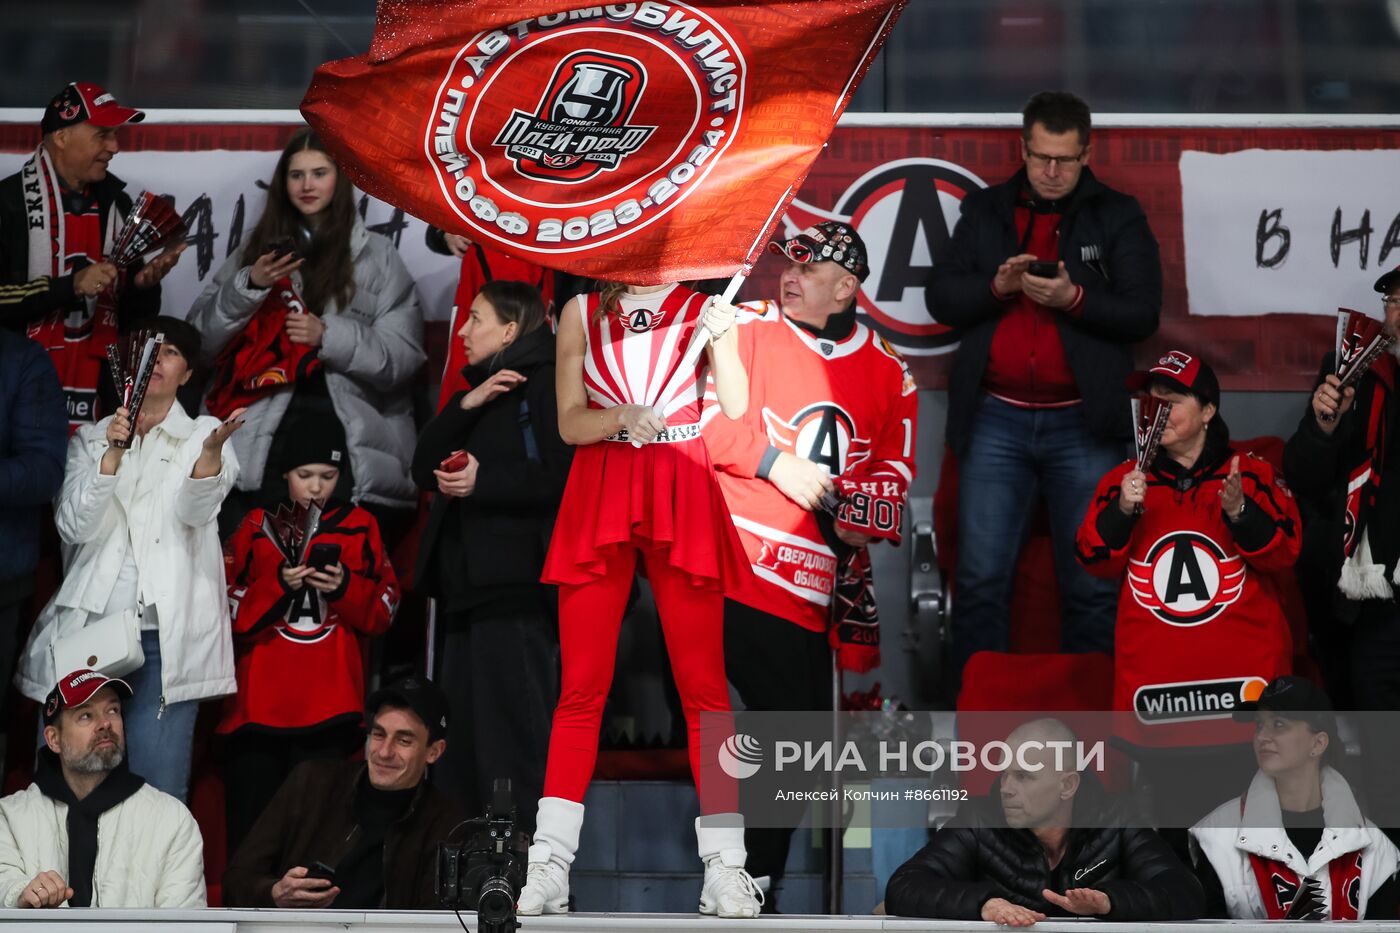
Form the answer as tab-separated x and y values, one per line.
590	618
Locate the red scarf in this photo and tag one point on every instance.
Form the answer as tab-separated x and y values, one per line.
262	359
1279	886
76	340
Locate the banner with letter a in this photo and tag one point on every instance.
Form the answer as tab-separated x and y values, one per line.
643	142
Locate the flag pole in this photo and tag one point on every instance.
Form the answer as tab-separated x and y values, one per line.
701	337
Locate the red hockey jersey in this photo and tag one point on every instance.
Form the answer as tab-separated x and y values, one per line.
849	405
300	658
1200	626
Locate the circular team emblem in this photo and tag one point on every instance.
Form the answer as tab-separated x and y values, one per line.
572	130
906	211
1186	579
824	433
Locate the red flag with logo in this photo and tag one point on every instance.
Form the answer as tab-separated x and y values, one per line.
641	142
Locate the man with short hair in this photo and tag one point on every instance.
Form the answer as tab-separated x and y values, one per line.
832	416
59	218
1343	462
350	834
1036	402
88	832
1046	842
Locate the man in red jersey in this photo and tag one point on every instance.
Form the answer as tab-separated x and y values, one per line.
831	418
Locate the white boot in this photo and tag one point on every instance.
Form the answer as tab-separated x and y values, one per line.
728	890
546	890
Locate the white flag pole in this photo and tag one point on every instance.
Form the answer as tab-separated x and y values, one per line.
701	337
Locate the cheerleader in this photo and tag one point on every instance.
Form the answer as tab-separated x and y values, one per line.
658	504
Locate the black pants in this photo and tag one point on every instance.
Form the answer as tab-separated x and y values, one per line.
258	762
775	665
1374	642
501	676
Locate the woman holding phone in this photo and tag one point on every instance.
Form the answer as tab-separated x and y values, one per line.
315	319
494	458
305	599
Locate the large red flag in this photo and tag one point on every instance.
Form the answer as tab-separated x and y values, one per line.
642	142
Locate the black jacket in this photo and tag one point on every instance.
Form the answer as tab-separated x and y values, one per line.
1122	295
134	304
977	857
500	532
312	818
33	445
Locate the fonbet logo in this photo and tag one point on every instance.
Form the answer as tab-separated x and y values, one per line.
580	126
571	130
740	756
1191	700
1186	579
905	211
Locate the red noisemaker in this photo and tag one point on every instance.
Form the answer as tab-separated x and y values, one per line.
1360	340
1150	415
132	360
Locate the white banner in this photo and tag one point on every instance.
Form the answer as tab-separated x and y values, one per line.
1287	231
221	195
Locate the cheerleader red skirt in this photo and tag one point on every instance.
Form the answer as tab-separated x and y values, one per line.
662	497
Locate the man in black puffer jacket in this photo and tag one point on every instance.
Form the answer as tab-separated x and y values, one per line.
1047	843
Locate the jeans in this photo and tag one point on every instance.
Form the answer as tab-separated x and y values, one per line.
1015	456
158	743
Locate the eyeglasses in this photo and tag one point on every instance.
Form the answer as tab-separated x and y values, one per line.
1391	301
1064	161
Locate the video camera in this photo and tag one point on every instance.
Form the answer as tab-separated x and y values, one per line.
486	869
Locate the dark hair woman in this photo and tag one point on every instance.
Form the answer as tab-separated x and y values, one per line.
483	550
1295	845
316	318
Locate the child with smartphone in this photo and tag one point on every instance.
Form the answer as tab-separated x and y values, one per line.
301	612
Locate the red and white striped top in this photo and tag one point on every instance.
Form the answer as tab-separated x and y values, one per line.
632	353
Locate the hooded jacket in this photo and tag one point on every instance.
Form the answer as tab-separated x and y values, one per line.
977	857
371	352
1107	247
1254	825
500	532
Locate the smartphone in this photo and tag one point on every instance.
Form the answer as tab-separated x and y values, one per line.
455	462
323	554
1044	270
284	247
321	870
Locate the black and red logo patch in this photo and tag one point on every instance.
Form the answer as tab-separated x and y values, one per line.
824	433
1186	578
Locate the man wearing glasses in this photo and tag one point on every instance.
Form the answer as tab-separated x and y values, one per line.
1343	463
1051	277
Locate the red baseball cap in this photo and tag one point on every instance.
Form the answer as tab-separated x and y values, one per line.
1180	371
81	102
77	688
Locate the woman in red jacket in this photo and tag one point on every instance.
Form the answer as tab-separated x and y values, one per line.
1199	534
300	622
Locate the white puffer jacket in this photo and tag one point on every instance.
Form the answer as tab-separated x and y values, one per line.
371	351
1227	837
149	852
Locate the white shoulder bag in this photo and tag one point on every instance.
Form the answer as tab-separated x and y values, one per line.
111	645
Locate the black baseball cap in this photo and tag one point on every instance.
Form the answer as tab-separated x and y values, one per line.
77	688
1182	372
1293	697
828	241
1388	281
419	694
83	102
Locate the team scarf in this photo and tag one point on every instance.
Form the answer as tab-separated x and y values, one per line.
1287	897
1362	577
79	354
854	634
262	359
